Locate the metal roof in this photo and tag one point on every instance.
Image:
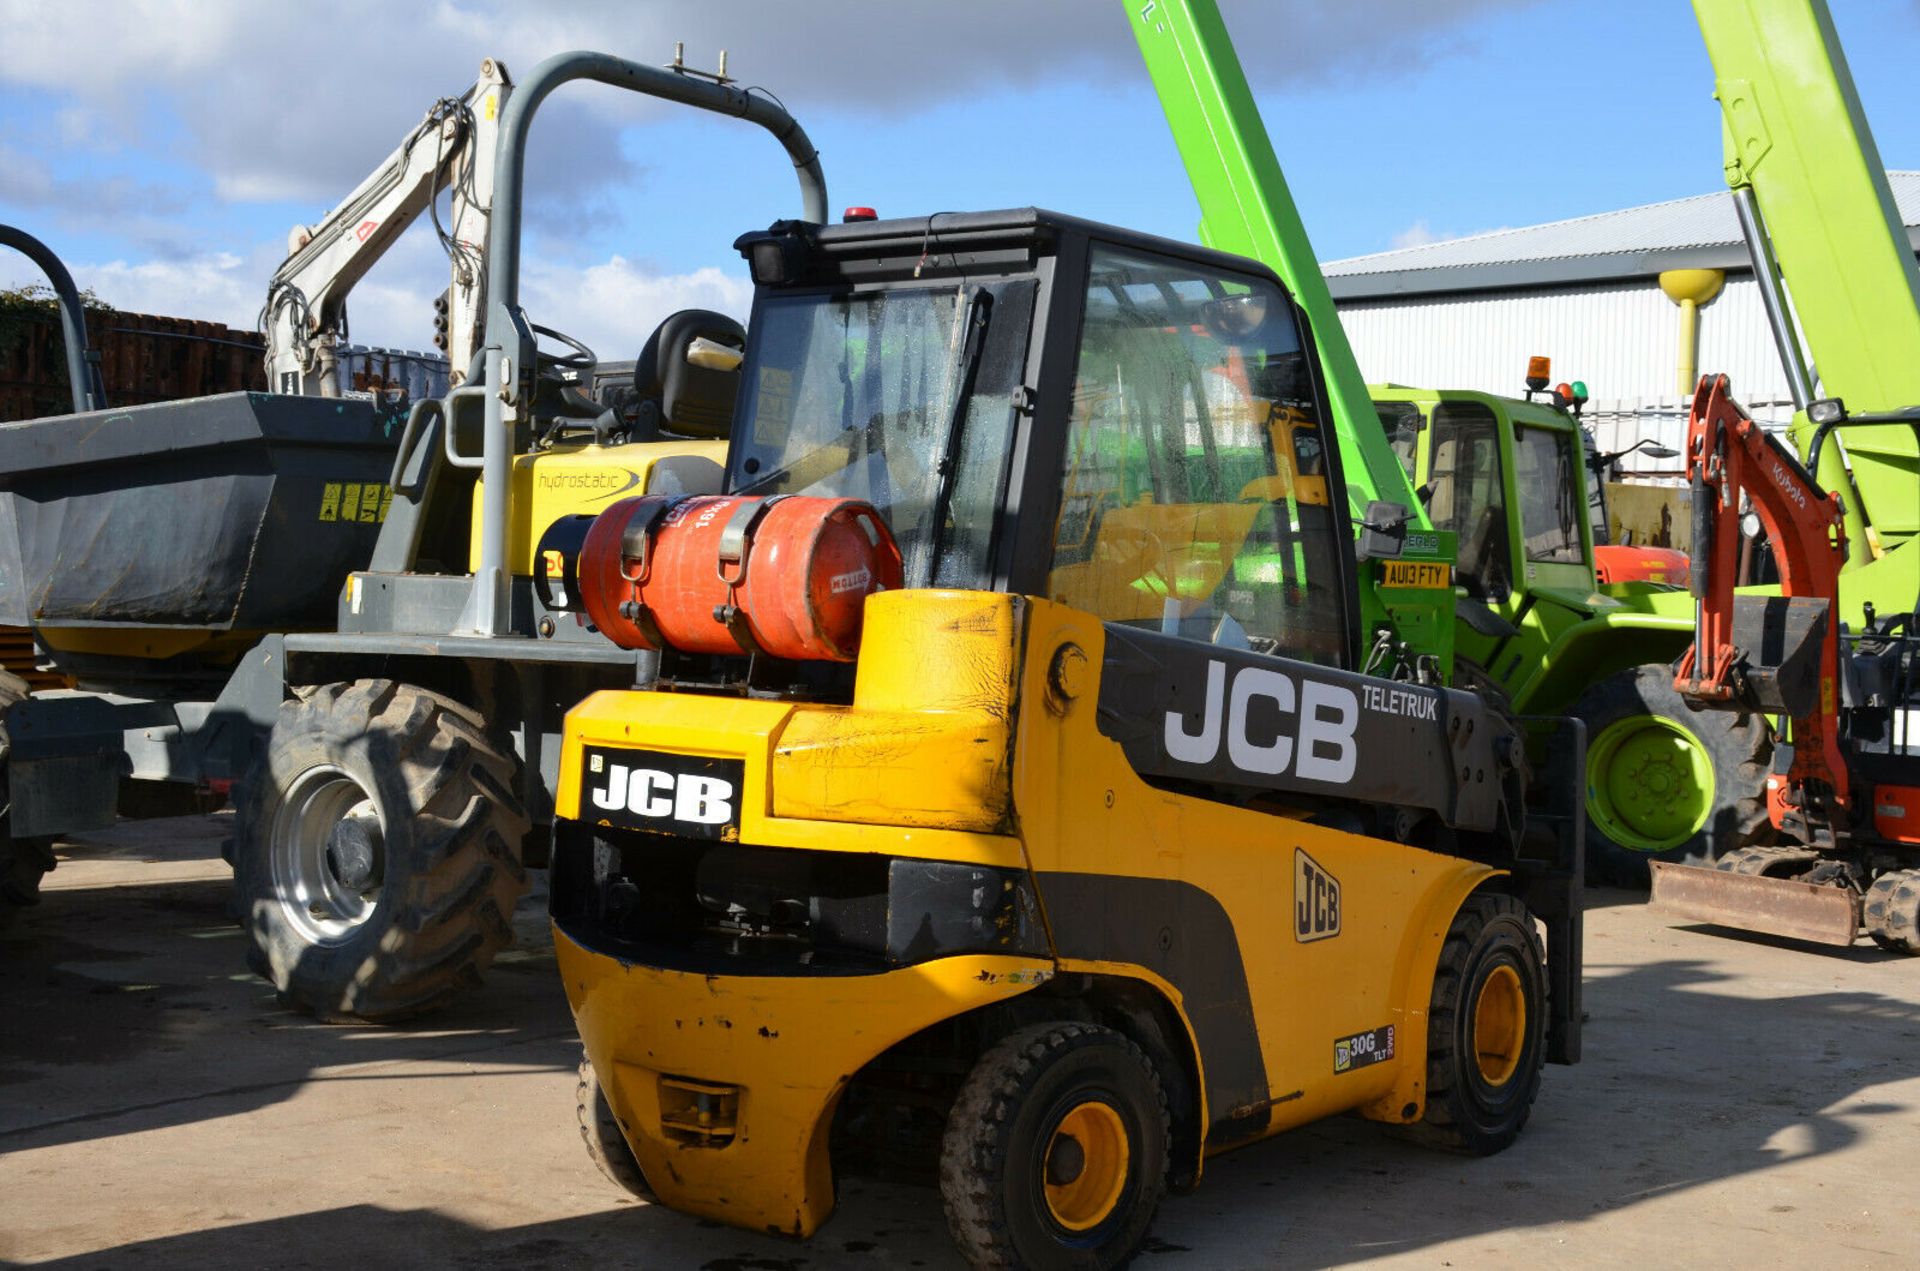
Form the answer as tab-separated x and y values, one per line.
1636	242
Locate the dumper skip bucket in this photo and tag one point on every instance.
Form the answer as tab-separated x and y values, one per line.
244	511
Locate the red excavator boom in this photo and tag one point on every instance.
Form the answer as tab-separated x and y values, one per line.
1775	654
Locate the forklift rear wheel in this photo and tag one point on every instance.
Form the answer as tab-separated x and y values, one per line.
376	851
1665	782
23	862
1055	1153
1893	911
1486	1030
600	1131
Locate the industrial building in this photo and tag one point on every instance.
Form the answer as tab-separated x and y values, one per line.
1469	312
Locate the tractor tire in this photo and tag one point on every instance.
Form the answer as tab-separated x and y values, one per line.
600	1131
1893	911
23	862
376	852
1056	1151
1486	1028
1665	782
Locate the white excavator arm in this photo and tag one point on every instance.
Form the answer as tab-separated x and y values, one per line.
453	149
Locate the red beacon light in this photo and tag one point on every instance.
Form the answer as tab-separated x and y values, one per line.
852	214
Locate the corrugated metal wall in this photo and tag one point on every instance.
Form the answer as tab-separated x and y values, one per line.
1621	338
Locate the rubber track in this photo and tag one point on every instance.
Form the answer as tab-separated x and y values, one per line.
1893	911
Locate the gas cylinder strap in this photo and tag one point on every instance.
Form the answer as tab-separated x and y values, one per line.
736	540
736	545
636	541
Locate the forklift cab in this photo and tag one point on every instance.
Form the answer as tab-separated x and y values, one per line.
1046	406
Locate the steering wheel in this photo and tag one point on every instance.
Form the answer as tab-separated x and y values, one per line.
581	359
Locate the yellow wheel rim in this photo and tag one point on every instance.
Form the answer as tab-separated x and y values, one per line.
1086	1166
1499	1025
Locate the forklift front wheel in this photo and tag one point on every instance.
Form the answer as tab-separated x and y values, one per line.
1055	1153
1486	1032
375	852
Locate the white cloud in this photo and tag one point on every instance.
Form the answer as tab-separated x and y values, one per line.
614	306
611	306
1418	234
281	101
218	287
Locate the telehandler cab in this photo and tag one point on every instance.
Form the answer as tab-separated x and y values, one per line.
1495	478
1082	850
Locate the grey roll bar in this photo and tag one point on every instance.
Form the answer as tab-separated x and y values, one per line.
508	341
83	364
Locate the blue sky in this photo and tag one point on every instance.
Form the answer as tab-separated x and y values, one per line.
166	156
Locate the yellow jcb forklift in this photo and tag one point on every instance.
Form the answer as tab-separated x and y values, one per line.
1081	850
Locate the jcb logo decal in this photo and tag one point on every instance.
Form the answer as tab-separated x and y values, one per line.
1316	900
652	793
686	795
1320	749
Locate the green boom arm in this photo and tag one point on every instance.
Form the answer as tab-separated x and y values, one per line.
1245	208
1797	138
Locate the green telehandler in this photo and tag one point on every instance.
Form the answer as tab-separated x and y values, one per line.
1509	481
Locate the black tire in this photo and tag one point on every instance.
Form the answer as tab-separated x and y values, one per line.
23	862
1892	911
1483	1064
376	852
600	1131
1737	744
1006	1132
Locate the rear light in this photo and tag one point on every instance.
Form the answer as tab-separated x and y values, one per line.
724	574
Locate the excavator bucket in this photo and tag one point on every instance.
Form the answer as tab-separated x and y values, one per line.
1776	906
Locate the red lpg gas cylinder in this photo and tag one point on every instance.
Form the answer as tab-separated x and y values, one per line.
786	576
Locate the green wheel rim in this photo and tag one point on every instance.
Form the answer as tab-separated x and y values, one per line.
1649	783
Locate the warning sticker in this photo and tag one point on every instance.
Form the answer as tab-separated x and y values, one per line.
367	502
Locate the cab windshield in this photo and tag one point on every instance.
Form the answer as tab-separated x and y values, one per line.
902	397
1551	492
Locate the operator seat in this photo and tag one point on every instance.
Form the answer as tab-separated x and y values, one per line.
677	397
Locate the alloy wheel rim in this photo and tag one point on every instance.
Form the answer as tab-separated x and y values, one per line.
328	854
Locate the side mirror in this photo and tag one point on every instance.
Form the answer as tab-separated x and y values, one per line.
1383	534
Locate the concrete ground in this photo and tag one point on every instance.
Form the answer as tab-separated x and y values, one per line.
1743	1103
